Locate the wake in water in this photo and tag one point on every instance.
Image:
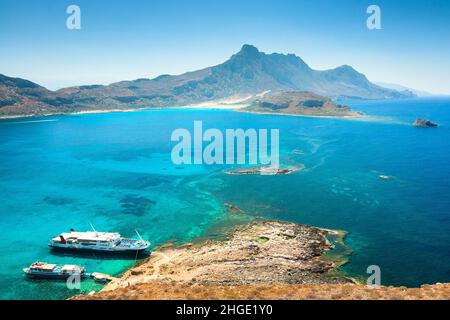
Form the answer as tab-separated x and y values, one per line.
381	119
30	121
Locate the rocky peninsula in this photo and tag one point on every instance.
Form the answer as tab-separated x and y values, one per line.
259	260
260	252
300	103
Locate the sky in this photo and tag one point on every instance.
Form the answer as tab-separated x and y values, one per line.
126	40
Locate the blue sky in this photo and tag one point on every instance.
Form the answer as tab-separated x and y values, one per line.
144	38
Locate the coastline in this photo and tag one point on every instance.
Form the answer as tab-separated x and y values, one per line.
356	116
260	252
95	111
180	291
263	259
391	172
100	111
106	111
231	107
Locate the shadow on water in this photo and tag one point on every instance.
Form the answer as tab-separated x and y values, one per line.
52	280
101	255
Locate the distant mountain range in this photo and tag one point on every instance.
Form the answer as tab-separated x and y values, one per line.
398	87
247	74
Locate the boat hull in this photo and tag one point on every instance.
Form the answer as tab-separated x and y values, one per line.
98	250
52	275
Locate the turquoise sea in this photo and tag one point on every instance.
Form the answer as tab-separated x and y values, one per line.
114	171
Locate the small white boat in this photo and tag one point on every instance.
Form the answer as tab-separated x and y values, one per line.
44	270
98	241
101	277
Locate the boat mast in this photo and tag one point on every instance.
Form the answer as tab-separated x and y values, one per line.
93	227
140	238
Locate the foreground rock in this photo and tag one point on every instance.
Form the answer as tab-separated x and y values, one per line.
262	252
179	291
260	260
424	123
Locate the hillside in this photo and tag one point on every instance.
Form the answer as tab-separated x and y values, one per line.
260	260
300	103
247	73
19	96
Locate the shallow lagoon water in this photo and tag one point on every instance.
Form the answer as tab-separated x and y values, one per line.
115	171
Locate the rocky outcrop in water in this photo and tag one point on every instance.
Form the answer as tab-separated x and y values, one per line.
424	123
269	171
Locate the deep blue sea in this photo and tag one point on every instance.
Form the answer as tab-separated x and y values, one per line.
115	171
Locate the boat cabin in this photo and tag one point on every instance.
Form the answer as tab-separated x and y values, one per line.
43	266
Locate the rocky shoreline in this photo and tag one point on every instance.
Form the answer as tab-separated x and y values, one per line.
259	260
260	252
179	291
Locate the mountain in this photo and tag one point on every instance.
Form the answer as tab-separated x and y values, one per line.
300	103
247	73
401	88
19	96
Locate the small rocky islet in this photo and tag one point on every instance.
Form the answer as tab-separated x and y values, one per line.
265	170
425	123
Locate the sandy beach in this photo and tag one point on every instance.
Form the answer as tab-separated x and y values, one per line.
206	105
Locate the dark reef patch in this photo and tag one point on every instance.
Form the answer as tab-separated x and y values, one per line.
141	182
135	205
58	201
117	155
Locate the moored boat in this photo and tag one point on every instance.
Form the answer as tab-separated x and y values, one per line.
108	242
44	270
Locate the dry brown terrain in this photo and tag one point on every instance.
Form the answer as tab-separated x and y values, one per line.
179	291
260	260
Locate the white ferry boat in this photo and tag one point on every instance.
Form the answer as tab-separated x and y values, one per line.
98	241
44	270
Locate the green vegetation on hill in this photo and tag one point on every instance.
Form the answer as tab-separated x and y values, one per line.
300	103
